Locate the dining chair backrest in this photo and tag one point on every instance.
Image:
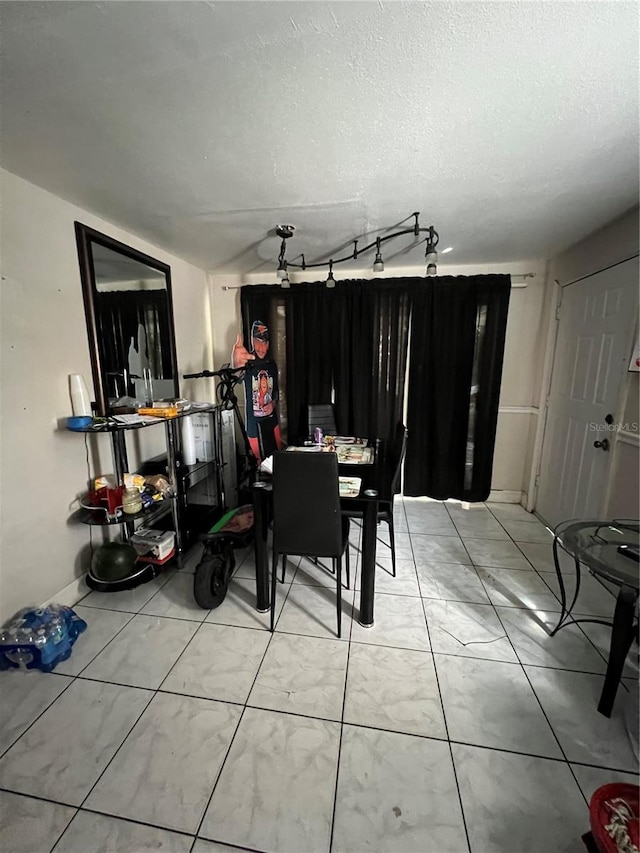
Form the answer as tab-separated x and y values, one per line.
322	415
306	504
399	450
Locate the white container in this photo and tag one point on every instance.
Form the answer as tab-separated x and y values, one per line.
80	400
189	455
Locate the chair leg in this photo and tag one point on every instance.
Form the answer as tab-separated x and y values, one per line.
392	539
338	564
284	567
347	564
274	577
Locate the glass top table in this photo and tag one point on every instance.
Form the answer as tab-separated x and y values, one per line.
609	550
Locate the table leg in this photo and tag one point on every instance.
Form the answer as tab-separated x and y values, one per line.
260	532
621	637
565	612
367	583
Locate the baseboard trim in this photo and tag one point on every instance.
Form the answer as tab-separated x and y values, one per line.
71	594
504	496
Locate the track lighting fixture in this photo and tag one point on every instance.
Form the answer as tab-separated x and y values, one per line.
431	256
286	231
378	264
330	282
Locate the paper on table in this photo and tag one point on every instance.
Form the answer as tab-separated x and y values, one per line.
355	455
349	486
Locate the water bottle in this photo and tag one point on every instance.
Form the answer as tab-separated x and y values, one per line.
318	435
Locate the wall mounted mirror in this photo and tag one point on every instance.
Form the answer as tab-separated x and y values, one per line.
129	313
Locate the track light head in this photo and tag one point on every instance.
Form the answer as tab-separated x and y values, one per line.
330	282
378	264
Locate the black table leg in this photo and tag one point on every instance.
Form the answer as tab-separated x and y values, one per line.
260	531
367	582
621	637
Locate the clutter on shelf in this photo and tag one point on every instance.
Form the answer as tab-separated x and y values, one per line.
40	638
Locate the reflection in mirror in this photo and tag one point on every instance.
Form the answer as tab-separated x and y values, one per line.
128	306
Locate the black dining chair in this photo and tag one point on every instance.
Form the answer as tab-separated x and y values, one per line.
322	415
385	503
385	500
307	520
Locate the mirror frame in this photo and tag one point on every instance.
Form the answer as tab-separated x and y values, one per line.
85	236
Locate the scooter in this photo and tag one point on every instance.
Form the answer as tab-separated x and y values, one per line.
235	528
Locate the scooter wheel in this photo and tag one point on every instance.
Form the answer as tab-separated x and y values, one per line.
211	581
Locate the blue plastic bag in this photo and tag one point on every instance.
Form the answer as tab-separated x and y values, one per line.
39	638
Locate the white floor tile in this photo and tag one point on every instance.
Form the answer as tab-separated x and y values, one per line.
431	523
593	598
490	703
600	636
399	621
519	803
165	771
529	631
94	833
381	803
276	790
239	605
439	549
528	531
30	826
221	662
65	751
491	552
541	557
102	626
394	689
404	583
471	630
312	611
570	701
176	599
450	582
302	675
592	778
25	695
515	588
143	652
129	600
510	512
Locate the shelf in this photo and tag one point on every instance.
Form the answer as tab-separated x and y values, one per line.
98	517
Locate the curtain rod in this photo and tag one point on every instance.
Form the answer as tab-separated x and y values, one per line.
520	282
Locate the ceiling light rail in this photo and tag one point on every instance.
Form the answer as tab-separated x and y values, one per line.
285	232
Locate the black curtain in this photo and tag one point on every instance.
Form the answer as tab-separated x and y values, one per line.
369	351
120	312
457	343
349	341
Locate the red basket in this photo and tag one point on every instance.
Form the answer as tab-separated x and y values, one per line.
614	813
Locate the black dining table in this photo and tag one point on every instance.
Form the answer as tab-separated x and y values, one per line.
376	482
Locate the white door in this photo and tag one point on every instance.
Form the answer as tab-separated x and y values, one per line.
597	318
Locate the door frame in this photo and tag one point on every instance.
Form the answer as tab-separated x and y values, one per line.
555	304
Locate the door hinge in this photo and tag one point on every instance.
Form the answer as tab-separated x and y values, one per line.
558	304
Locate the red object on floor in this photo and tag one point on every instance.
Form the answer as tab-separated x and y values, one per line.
614	813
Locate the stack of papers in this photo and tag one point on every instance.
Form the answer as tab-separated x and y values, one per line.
354	454
349	486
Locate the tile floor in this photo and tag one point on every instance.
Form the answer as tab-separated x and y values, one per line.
456	724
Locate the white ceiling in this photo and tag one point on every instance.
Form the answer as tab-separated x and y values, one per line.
512	127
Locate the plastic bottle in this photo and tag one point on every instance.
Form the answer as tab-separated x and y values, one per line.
80	400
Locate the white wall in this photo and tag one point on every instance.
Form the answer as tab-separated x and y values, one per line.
519	395
43	339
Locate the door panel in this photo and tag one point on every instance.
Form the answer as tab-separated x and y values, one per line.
597	317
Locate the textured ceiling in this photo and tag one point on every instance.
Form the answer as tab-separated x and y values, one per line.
512	127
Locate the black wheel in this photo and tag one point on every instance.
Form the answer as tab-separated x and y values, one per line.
211	581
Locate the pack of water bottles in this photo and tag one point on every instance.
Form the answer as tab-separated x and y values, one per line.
40	638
